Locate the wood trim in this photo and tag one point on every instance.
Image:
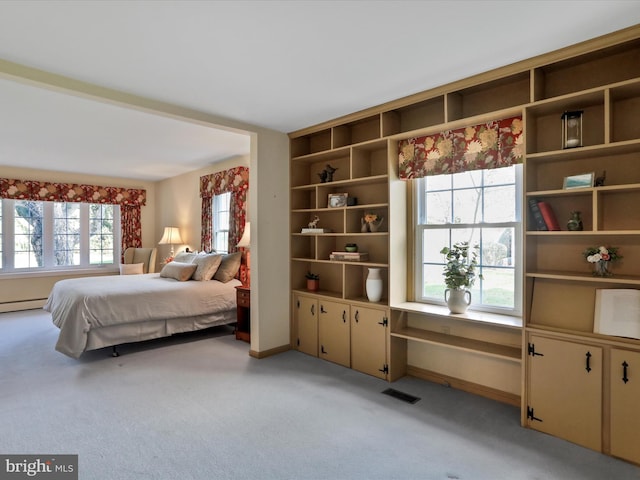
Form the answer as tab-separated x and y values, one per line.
22	305
270	352
474	388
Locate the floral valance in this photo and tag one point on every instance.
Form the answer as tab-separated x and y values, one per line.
236	181
232	180
488	145
70	192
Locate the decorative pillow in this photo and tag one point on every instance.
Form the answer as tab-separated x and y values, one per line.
184	257
207	265
131	268
178	270
228	267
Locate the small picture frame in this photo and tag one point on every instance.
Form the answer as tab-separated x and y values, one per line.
583	180
337	200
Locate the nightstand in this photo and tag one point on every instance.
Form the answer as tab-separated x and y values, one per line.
243	325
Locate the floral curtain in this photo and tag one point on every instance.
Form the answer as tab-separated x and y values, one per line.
130	201
493	144
236	181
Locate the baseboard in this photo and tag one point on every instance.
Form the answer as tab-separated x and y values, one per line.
271	351
470	387
22	305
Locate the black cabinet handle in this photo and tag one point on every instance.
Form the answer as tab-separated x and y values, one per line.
588	367
357	316
322	310
313	309
344	316
625	378
322	350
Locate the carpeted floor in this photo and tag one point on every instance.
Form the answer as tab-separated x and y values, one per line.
197	406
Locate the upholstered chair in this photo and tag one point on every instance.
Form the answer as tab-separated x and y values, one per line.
146	256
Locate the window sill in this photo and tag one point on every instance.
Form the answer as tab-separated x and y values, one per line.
493	319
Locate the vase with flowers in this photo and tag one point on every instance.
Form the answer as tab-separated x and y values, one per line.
601	257
371	222
461	261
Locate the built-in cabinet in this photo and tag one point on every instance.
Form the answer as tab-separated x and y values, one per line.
575	384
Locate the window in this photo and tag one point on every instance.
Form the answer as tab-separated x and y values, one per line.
57	235
482	207
220	220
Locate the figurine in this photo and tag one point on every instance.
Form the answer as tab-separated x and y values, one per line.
314	222
326	175
599	182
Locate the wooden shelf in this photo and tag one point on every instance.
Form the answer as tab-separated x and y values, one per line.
467	344
576	277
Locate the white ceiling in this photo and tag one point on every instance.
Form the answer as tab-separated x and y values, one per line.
282	65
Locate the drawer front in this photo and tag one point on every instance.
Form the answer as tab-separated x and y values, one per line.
244	299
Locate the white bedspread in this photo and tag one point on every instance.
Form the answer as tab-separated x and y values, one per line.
82	304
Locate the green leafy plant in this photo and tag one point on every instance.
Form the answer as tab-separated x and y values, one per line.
461	263
312	276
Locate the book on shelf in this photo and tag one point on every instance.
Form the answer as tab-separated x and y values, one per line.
549	216
349	256
316	230
617	312
536	215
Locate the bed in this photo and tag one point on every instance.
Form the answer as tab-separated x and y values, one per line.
98	312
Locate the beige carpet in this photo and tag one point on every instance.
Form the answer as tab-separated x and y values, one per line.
198	407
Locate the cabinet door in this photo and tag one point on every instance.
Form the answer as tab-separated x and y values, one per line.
334	333
565	390
369	340
306	319
625	416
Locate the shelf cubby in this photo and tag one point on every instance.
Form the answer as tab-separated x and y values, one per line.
357	131
544	124
355	278
503	93
422	114
369	160
625	104
594	69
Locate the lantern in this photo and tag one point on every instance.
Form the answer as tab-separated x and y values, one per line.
572	129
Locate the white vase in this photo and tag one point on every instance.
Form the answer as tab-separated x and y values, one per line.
457	300
374	285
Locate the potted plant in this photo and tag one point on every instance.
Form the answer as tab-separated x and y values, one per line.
461	261
313	281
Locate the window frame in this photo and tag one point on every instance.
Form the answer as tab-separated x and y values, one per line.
216	228
7	249
518	255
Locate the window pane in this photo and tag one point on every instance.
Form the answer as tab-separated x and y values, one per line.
66	233
500	176
28	234
434	240
101	234
499	204
438	182
498	246
467	179
467	206
438	208
498	287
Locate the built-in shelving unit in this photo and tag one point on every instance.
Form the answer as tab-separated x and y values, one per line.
602	79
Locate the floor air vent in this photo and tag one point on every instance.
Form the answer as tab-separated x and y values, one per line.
405	397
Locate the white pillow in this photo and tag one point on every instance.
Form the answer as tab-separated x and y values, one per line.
178	271
207	266
131	268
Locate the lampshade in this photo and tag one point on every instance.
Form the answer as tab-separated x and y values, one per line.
171	236
245	241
